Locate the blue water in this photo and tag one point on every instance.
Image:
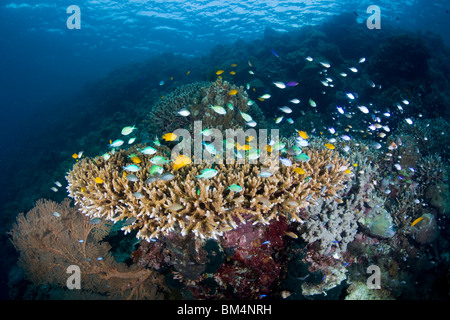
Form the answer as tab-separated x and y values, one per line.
45	68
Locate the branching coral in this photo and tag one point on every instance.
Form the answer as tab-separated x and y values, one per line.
52	237
204	207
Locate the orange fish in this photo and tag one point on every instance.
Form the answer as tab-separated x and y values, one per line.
416	221
136	160
75	155
303	134
98	180
181	161
329	146
169	136
244	147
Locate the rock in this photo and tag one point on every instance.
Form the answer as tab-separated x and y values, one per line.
439	196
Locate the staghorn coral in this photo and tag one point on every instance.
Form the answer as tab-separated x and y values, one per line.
197	98
204	207
53	236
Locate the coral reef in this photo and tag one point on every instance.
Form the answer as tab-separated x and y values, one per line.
204	207
439	196
197	98
53	236
426	230
400	58
360	291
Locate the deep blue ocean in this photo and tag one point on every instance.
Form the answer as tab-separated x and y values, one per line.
67	88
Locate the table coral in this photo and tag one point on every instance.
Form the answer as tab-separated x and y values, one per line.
205	207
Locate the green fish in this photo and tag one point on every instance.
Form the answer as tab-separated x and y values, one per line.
127	130
132	168
156	170
246	116
210	147
278	146
206	132
116	143
253	154
230	106
148	150
207	173
156	142
218	109
235	188
302	157
158	160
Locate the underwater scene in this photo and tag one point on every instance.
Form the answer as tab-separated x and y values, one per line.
225	150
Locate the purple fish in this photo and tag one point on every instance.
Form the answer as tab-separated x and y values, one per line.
291	83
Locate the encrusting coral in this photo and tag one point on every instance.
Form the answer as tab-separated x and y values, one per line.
52	236
205	207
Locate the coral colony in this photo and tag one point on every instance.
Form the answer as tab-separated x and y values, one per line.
214	200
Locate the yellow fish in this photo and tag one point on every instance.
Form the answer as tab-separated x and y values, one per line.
233	72
98	180
232	92
181	161
299	171
219	72
348	171
136	160
75	155
169	136
233	65
187	73
416	221
355	164
303	134
329	146
250	138
244	147
261	99
269	148
291	234
83	189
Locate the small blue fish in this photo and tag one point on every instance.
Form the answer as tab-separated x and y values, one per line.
274	53
266	242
